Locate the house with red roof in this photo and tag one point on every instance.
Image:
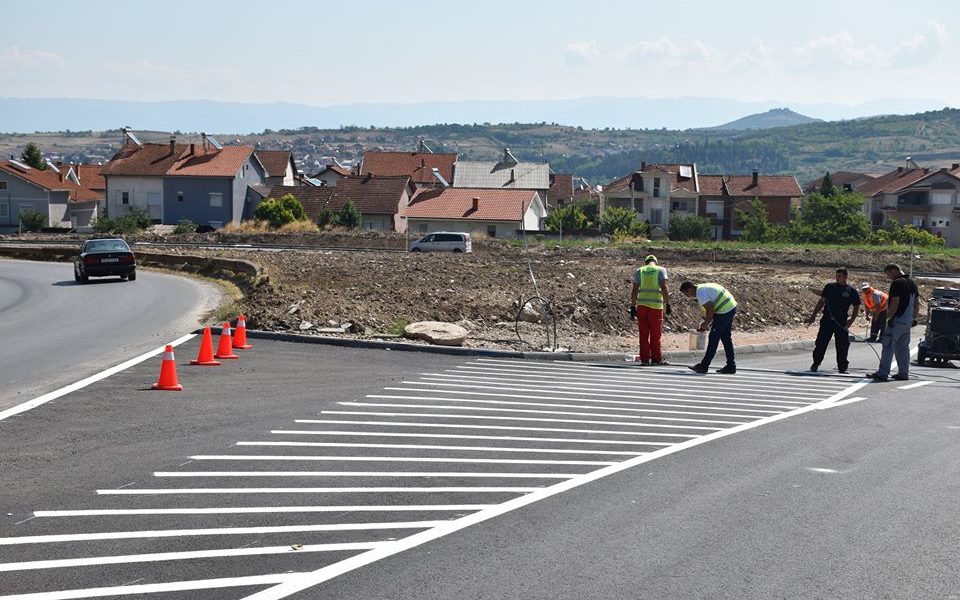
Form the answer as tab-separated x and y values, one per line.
380	200
279	166
482	212
418	166
721	196
332	173
205	182
58	192
655	192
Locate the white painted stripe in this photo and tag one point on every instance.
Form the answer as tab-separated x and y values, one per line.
40	400
497	427
596	397
170	533
154	588
302	582
316	490
333	458
841	403
687	384
491	475
492	417
583	390
434	447
533	411
190	555
230	510
914	385
453	436
591	406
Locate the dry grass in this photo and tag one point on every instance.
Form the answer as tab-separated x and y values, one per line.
246	227
305	226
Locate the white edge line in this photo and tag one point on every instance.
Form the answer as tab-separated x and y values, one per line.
301	582
914	385
89	380
153	588
841	403
259	509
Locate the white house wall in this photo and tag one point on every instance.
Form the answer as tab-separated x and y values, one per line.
138	187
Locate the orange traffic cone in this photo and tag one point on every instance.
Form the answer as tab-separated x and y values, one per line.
225	348
168	373
240	338
205	358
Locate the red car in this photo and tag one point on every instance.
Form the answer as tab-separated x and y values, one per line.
103	258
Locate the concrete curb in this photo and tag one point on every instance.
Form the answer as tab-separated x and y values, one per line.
532	355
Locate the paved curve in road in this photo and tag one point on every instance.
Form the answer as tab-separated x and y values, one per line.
54	332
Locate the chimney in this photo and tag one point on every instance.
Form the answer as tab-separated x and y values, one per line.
512	178
756	176
476	203
192	148
423	162
643	165
955	166
173	144
899	169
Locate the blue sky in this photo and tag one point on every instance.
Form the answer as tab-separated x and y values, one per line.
842	51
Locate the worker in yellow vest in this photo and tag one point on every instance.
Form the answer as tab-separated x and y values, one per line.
649	301
718	307
875	303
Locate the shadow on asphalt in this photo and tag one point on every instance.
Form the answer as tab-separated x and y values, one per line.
71	282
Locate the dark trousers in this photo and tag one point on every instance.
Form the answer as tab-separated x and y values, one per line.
721	330
829	329
878	324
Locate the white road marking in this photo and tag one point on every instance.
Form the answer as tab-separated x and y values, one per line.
334	458
490	417
530	411
229	510
168	533
490	475
154	588
319	490
823	470
914	385
302	582
40	400
434	447
454	436
840	403
497	427
189	555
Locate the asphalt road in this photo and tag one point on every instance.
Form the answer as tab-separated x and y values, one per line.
54	331
298	458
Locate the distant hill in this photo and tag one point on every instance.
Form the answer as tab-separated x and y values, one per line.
775	117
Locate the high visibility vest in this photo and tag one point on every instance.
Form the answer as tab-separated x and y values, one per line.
874	300
648	293
724	302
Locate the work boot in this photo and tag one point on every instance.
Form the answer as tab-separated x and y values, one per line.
899	377
659	363
727	370
814	367
698	368
877	377
842	369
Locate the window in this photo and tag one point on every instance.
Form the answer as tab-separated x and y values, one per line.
679	206
179	196
656	187
216	199
422	227
4	210
638	184
656	216
124	197
491	231
3	185
918	221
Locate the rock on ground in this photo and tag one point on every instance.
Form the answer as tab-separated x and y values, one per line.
435	332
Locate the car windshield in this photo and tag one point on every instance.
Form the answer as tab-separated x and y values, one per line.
106	246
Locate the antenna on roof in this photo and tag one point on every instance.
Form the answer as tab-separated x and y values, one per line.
128	136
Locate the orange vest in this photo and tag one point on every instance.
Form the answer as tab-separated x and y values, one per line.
870	303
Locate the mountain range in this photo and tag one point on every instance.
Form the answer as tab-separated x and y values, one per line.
27	115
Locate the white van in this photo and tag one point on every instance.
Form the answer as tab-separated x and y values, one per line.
443	241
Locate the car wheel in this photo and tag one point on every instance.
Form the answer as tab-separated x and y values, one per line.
921	356
457	250
416	250
132	276
76	275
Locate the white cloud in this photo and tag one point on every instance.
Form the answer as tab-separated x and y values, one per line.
578	53
13	60
841	48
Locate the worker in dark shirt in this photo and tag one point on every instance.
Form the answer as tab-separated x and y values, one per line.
835	302
903	307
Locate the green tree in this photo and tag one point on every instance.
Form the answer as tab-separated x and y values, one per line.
280	211
756	222
836	219
33	157
693	227
826	186
349	216
33	220
325	217
566	218
622	221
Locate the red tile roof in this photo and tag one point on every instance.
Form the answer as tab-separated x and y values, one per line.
55	182
671	171
839	179
274	161
146	160
893	181
342	171
371	195
711	185
767	186
416	165
457	203
211	162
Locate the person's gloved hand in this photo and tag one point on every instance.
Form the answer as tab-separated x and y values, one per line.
668	311
633	312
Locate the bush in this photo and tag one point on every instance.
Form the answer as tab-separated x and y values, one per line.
566	218
693	227
622	222
836	219
349	216
33	220
895	233
134	221
185	226
280	211
325	217
102	224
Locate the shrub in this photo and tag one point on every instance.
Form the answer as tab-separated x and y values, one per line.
349	216
566	218
693	227
33	220
280	211
102	224
185	226
895	233
622	222
325	217
305	226
836	219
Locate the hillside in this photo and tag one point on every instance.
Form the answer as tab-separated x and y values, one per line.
871	145
775	117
